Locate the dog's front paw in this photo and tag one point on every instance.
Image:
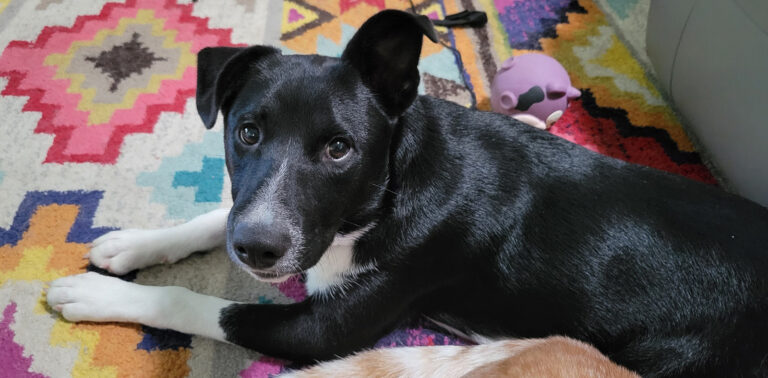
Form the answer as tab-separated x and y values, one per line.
98	298
120	252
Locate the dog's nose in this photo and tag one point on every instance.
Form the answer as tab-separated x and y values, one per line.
260	246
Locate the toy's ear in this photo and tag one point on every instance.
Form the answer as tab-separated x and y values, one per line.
572	93
221	71
385	51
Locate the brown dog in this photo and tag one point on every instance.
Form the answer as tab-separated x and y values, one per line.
550	357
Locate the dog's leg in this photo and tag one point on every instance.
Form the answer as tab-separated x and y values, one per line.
318	328
325	327
125	250
95	297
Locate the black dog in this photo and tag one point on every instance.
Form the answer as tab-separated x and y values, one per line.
472	219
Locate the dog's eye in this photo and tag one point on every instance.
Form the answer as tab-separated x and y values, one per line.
337	149
249	133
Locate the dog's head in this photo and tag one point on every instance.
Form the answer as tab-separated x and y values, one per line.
307	138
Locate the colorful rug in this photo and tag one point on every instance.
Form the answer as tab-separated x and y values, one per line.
98	131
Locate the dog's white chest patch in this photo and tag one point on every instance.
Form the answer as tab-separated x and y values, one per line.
337	266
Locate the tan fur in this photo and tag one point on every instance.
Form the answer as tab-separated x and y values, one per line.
550	357
554	357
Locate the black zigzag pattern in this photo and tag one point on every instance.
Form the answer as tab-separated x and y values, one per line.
627	129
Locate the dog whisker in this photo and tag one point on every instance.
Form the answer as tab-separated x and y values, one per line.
352	223
384	188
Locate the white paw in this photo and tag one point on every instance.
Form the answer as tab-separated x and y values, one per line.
94	297
122	251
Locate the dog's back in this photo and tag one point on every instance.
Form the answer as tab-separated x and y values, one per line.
662	273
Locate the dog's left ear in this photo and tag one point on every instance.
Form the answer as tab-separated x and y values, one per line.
385	51
221	71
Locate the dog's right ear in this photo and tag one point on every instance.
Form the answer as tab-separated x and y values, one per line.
222	71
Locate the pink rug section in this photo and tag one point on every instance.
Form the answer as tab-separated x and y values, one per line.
293	288
263	368
12	360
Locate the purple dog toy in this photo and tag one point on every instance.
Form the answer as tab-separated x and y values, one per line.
533	88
